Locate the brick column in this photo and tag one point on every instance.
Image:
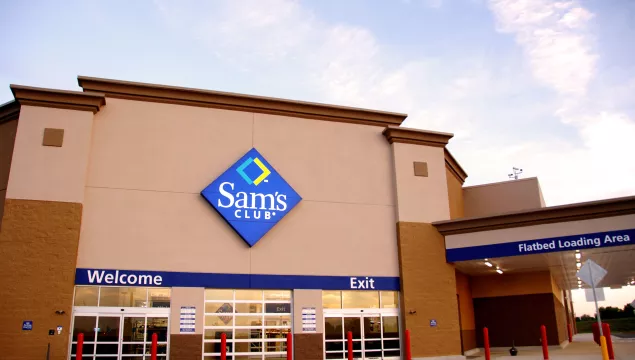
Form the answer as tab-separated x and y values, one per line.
428	282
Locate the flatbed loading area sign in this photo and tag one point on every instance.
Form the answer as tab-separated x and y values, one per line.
537	246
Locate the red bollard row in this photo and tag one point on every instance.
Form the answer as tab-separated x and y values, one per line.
79	352
289	346
488	355
543	333
545	345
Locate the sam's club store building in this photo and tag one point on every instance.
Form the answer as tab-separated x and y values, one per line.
130	209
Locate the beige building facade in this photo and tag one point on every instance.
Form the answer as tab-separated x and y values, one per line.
131	209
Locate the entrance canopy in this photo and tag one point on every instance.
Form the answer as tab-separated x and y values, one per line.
556	239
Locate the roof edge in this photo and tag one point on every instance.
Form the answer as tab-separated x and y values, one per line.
454	166
9	111
546	215
240	102
61	99
398	134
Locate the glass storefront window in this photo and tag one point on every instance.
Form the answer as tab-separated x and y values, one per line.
112	296
158	298
360	299
282	295
389	299
256	323
332	299
86	295
249	295
123	297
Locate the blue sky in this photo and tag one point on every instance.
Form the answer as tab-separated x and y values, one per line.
544	85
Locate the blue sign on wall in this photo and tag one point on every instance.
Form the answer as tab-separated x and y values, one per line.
539	246
110	277
251	196
27	325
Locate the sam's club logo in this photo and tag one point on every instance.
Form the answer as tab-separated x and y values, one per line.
251	196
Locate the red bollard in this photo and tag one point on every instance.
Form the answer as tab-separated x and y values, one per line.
223	346
153	351
79	351
408	349
545	348
606	328
488	356
289	346
570	333
350	345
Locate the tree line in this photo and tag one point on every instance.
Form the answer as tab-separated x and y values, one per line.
611	312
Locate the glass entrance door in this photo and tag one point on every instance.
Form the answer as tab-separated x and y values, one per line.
120	337
375	336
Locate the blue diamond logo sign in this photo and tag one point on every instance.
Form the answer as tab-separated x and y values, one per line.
251	196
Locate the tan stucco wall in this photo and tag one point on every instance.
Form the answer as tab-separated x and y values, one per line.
150	161
557	291
307	298
420	199
513	195
511	284
191	296
540	231
50	173
455	195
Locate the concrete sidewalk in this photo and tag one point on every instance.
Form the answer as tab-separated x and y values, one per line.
582	348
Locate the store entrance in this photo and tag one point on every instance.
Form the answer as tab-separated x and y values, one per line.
109	335
375	334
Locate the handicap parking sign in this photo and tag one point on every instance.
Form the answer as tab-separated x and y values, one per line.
27	325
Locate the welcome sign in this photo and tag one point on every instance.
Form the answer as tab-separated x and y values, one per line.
251	196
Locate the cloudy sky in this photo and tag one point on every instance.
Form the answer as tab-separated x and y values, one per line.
544	85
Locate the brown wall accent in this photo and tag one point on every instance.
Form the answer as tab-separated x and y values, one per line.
421	168
239	102
455	194
308	346
40	238
502	197
561	320
516	318
454	167
61	99
53	137
397	134
8	130
548	215
468	337
538	282
428	286
466	309
9	111
186	347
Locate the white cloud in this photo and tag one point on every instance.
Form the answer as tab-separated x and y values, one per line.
550	34
495	130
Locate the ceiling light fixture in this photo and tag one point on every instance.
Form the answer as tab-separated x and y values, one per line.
488	263
498	270
578	265
578	256
577	251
